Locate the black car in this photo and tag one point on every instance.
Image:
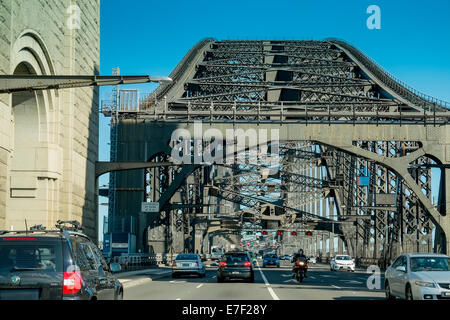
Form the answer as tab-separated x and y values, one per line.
235	265
61	264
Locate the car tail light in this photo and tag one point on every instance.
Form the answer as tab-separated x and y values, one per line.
197	264
72	282
222	264
174	264
247	264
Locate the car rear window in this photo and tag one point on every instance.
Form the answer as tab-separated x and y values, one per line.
270	256
186	257
20	255
232	258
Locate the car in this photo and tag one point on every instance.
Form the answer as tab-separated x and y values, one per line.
286	257
60	264
342	262
312	260
419	276
271	260
235	265
188	264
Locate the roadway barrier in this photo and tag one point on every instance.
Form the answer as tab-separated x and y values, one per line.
138	261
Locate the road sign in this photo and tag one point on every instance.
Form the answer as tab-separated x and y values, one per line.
150	207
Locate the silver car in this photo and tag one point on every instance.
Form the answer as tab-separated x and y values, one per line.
188	263
419	276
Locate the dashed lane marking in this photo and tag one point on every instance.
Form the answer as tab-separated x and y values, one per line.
272	293
200	285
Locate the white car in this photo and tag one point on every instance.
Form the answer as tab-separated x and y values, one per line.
312	260
419	276
342	262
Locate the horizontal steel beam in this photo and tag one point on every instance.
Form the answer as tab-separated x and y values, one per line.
105	167
17	83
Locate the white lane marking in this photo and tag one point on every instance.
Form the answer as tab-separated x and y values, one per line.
272	293
200	285
313	277
286	275
335	286
175	281
214	277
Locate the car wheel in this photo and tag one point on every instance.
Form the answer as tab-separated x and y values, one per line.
408	293
219	279
120	297
174	275
387	290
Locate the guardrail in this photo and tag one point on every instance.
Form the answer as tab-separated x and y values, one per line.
142	261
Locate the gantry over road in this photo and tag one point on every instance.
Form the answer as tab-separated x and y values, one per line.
355	148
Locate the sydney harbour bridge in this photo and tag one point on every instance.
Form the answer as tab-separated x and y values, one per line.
356	148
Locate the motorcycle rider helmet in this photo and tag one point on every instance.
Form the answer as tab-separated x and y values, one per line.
300	252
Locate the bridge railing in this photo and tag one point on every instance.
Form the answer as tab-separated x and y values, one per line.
217	112
391	81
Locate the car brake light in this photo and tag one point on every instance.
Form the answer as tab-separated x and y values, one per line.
222	264
19	239
197	264
174	264
72	282
247	264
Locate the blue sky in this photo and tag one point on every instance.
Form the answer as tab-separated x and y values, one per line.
151	37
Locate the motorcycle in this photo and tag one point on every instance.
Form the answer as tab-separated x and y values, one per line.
299	270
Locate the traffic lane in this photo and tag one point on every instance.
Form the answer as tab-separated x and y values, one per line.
193	288
165	288
322	284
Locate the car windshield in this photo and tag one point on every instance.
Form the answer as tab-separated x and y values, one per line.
187	257
343	258
30	256
430	264
236	258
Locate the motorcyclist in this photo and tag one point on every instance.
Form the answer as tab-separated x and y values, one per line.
300	254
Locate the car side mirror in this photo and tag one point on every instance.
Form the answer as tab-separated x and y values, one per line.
401	268
115	267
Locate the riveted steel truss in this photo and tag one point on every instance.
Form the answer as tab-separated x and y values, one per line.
337	188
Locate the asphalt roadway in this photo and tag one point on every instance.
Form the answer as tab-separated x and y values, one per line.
271	283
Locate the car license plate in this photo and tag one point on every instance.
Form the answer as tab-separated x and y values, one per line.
185	265
235	272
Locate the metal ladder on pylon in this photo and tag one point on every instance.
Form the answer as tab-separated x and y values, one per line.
113	149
